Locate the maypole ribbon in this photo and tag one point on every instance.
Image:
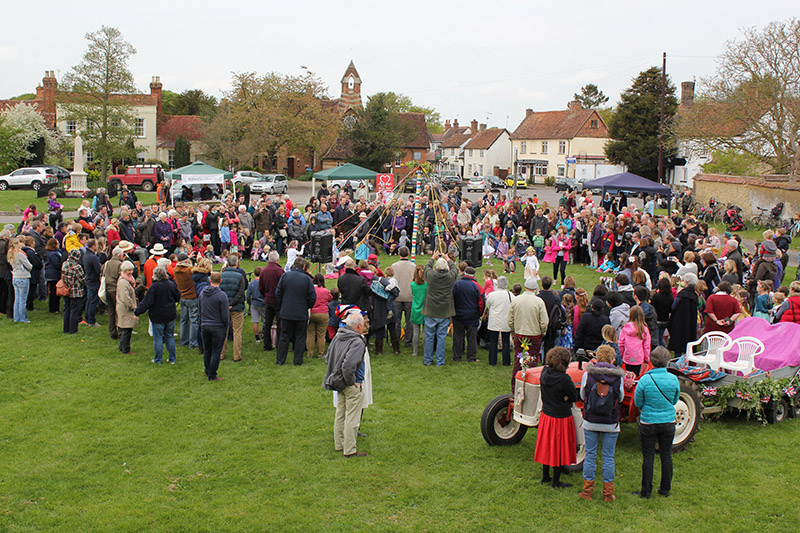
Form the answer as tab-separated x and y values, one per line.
415	234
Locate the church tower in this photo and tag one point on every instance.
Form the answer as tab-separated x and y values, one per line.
351	90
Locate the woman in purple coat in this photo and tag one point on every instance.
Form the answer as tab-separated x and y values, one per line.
398	224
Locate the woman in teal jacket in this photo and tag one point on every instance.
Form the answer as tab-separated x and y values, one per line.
656	396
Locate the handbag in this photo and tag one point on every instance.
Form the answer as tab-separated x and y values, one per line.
282	233
101	292
61	288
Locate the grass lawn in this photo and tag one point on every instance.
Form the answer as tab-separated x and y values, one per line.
96	440
18	200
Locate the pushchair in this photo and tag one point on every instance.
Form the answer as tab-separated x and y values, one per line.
733	219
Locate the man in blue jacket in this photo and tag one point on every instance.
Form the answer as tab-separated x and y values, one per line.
213	321
296	295
159	302
469	304
92	268
234	285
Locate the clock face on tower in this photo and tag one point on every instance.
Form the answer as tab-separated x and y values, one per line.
349	120
351	83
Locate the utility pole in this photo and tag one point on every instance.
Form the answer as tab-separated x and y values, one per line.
661	121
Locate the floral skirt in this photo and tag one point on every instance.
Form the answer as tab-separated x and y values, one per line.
555	441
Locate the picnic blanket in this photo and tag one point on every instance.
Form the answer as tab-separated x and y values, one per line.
781	342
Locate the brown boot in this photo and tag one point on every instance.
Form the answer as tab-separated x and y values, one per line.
588	489
378	346
608	492
396	346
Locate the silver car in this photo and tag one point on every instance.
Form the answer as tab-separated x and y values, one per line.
476	183
246	176
271	184
28	177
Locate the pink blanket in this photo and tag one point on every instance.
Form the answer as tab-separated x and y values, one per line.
781	342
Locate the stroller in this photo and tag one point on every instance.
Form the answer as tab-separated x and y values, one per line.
777	211
733	219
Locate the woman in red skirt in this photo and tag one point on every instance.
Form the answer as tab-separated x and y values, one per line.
555	441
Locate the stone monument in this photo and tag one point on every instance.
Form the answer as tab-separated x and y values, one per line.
77	182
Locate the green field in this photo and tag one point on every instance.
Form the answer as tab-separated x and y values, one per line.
18	200
96	440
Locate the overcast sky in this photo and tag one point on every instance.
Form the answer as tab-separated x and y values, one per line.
467	59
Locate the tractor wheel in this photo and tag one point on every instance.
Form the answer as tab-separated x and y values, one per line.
688	413
776	411
496	426
794	406
147	186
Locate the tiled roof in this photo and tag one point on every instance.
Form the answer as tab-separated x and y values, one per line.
454	131
483	140
456	141
565	124
774	182
132	99
173	126
8	104
417	122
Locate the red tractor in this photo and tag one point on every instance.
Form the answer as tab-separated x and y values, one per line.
507	418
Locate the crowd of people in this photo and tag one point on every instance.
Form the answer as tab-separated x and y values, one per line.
664	280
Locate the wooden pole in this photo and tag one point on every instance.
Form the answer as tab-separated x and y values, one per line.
661	121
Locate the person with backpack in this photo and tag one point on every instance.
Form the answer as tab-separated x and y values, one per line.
602	390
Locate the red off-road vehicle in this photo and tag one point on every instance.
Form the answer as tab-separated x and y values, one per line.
140	176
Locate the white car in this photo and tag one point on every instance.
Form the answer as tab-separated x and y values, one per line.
28	177
338	184
271	184
246	176
476	183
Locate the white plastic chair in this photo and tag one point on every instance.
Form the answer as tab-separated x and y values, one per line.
749	348
716	342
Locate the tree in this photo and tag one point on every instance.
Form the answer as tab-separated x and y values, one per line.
99	84
9	148
732	163
752	103
400	103
182	149
378	134
191	102
32	138
263	114
591	97
634	126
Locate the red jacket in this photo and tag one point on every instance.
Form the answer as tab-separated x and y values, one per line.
792	314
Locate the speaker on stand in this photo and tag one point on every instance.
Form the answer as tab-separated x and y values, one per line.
321	247
472	250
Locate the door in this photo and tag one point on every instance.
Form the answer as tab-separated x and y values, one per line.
290	163
17	177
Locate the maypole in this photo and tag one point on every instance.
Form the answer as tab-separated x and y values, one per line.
415	234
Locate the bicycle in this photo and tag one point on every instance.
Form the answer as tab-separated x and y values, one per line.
765	218
793	227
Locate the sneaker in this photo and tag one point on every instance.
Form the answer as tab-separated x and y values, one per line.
156	362
172	362
215	379
357	454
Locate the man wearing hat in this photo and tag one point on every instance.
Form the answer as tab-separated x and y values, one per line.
439	306
528	319
156	253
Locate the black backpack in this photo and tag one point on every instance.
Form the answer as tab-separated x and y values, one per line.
601	400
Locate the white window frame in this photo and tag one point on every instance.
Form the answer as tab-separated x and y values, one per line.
523	147
544	147
562	147
562	171
171	158
140	121
89	157
417	156
482	153
70	127
470	152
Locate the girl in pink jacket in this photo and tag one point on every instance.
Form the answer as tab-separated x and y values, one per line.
634	341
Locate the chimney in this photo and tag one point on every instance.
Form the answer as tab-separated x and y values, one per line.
474	126
447	124
575	104
48	96
455	122
528	112
687	93
482	127
155	89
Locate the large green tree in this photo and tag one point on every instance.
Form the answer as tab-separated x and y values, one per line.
9	148
105	119
634	127
32	139
400	103
751	105
191	102
378	134
591	97
263	114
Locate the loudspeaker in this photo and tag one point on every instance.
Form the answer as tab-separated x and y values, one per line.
321	247
471	250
